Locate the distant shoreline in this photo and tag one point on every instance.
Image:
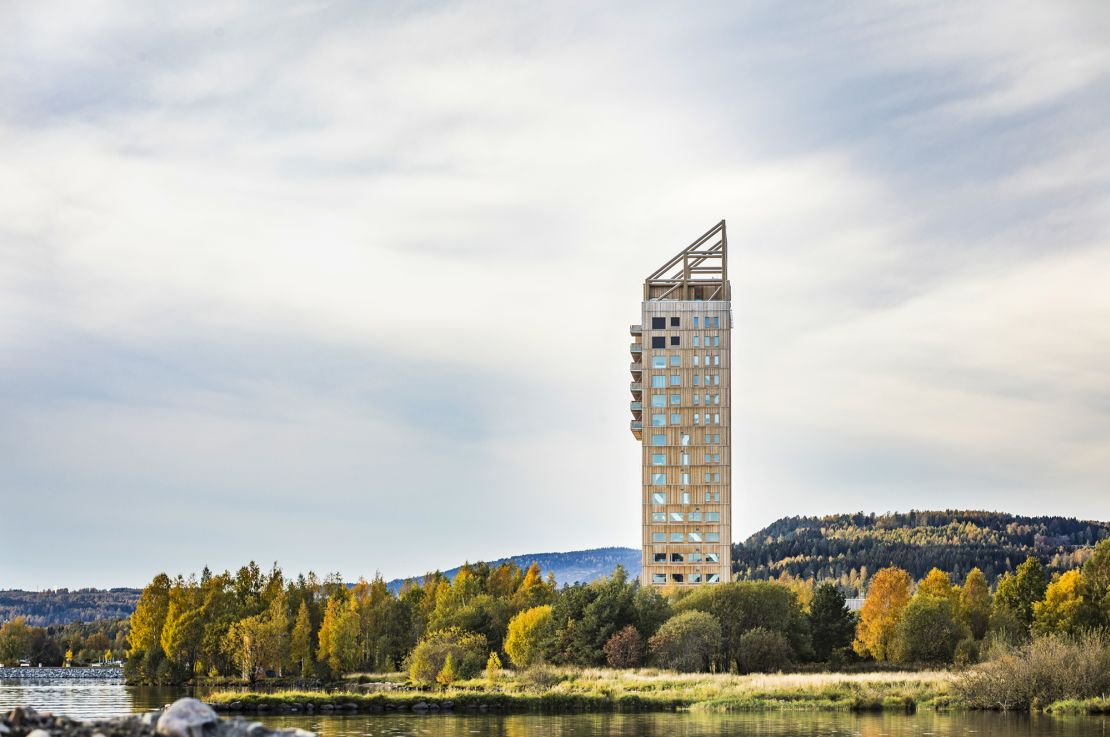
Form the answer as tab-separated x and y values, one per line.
53	673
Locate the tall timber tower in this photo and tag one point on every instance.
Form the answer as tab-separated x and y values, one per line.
681	409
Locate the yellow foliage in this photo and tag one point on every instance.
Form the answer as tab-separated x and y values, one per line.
886	601
526	635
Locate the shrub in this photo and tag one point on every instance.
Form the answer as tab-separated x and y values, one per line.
967	652
528	634
625	648
763	651
687	642
1047	669
467	651
928	631
541	678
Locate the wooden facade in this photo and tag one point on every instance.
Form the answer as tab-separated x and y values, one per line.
681	410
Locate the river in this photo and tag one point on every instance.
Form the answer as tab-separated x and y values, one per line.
104	694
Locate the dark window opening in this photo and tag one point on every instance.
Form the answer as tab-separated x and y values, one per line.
660	557
658	323
674	340
677	577
674	322
659	342
676	557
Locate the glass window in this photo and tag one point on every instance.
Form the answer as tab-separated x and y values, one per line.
697	399
695	557
659	497
705	477
659	537
676	379
712	516
659	341
695	578
676	360
713	537
697	341
716	418
676	399
658	439
676	322
695	537
696	376
685	439
677	577
678	537
676	418
658	516
685	497
695	321
708	457
658	400
695	516
716	438
658	479
658	323
697	362
660	558
659	578
659	381
712	557
697	418
716	477
685	459
716	322
658	459
716	340
717	380
676	340
676	558
686	478
716	399
659	420
659	362
713	578
678	517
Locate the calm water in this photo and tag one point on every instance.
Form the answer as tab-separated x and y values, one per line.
96	698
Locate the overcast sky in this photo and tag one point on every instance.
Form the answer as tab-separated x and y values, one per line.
347	285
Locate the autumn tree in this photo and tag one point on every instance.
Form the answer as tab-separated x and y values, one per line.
625	649
1064	610
300	642
887	598
528	634
1018	592
338	636
493	668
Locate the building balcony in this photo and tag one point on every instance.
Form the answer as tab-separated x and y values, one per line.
637	428
637	350
636	406
636	330
636	388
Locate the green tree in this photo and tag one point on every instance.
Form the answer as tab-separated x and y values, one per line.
744	605
528	635
928	631
15	640
1096	578
975	603
831	624
183	629
687	642
1020	591
764	651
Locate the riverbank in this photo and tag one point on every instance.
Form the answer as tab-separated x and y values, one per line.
601	690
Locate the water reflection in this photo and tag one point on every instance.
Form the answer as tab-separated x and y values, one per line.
103	698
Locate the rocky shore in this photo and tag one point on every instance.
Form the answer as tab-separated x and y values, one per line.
183	718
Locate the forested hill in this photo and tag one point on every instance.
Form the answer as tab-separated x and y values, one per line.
569	568
849	547
62	606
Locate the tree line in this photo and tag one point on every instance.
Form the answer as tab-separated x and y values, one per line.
56	645
848	548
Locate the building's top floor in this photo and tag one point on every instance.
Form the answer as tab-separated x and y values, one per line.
698	273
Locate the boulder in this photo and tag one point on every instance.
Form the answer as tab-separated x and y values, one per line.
186	718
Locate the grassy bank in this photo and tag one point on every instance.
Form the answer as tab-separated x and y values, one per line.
565	690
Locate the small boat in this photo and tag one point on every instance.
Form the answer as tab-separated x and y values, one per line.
25	664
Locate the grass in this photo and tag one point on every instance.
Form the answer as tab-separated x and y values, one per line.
559	690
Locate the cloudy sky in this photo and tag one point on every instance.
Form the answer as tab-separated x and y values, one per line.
347	285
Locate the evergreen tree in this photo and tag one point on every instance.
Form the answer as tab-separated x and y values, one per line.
832	626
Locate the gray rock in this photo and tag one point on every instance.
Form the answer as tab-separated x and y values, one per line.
186	718
38	733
